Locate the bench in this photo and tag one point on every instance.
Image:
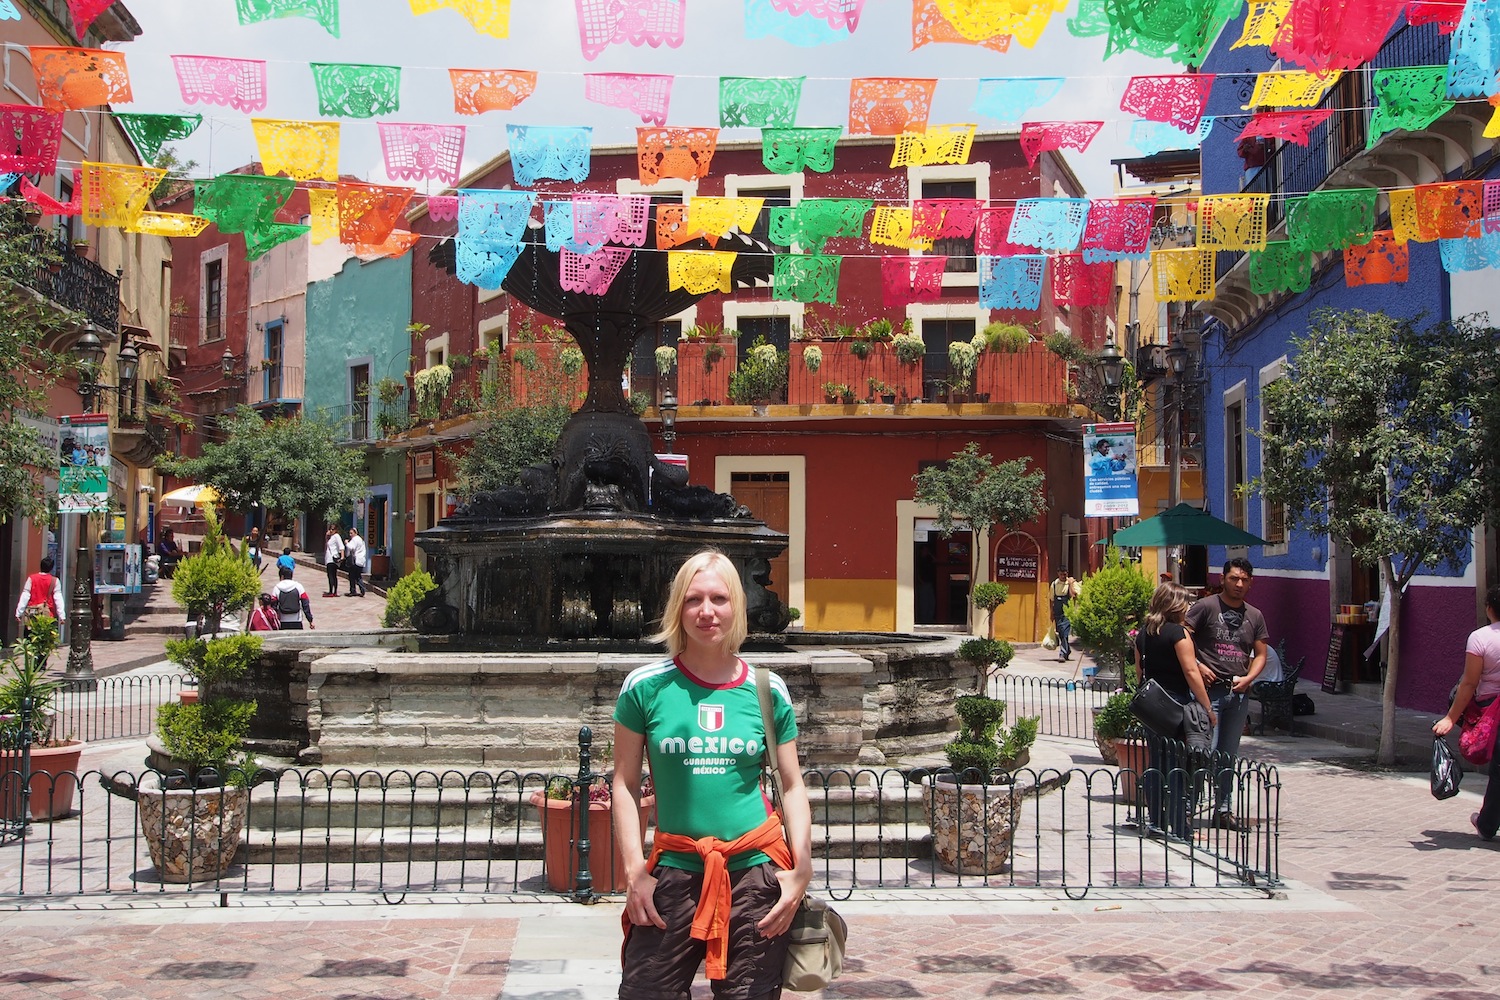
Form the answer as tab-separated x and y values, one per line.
1275	697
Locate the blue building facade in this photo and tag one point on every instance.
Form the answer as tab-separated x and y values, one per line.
357	336
1302	578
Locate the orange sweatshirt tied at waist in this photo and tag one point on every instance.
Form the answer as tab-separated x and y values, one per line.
711	920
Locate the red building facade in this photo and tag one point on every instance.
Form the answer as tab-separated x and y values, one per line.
835	475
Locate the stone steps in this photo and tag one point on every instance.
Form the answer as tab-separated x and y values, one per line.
324	845
481	809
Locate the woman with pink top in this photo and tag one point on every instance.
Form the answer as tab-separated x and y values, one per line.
1481	685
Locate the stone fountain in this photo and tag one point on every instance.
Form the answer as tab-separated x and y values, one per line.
581	551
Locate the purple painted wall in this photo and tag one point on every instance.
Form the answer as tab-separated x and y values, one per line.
1437	622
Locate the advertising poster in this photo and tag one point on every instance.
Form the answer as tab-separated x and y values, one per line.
1109	471
83	463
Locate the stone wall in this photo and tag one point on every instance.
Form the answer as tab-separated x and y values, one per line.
388	708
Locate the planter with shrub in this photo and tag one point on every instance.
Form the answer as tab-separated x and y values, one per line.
39	780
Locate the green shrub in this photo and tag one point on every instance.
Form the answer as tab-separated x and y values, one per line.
990	595
1007	337
205	735
217	582
1114	720
979	744
986	652
225	658
1109	604
571	360
404	596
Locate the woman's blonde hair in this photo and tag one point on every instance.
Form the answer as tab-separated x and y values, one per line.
714	561
1169	603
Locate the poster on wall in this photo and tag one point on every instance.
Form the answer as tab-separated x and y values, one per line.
83	464
1109	471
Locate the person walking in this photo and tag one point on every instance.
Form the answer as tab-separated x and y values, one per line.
1064	589
356	554
1164	653
333	557
1479	686
719	849
292	601
251	546
41	594
1229	639
265	617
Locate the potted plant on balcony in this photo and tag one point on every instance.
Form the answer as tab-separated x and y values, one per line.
880	391
666	360
53	761
762	377
430	384
909	348
1005	338
962	359
973	811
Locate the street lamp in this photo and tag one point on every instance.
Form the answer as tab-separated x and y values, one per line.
1177	364
89	350
226	363
668	410
1111	365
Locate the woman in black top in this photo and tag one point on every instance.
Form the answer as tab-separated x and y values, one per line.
1164	653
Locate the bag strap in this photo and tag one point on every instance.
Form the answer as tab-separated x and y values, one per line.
763	692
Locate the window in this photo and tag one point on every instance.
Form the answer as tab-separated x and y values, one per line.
643	376
937	334
1234	462
958	249
780	197
776	329
359	402
213	300
65	223
272	364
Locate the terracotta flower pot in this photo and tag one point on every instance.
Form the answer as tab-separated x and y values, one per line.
54	779
1133	756
559	836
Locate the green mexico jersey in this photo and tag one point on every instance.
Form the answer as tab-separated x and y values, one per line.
704	743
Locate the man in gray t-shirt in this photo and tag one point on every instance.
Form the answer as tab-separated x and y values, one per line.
1229	637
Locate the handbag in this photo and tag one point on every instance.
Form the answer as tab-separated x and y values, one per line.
1447	772
1477	740
1157	709
818	934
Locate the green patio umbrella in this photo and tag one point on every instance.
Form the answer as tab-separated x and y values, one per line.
1183	525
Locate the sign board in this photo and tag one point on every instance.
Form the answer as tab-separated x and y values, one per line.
423	464
1017	566
1109	471
1335	654
83	464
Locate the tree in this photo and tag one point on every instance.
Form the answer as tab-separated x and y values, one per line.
1109	604
971	487
28	321
1377	438
292	464
521	423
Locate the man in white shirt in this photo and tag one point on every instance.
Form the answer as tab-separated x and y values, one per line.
357	556
41	591
333	555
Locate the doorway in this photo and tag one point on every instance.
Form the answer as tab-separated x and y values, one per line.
768	495
941	575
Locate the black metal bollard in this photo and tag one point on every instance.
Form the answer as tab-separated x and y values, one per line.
583	886
21	798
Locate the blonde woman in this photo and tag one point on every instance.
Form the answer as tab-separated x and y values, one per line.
719	849
1164	653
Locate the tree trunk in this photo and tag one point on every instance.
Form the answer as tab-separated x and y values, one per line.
1386	756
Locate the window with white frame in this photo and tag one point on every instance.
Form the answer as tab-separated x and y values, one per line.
1236	464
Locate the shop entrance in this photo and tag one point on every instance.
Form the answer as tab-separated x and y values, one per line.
940	575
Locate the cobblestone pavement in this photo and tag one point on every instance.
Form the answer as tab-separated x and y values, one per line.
1390	895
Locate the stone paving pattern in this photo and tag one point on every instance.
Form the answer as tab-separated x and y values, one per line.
1390	894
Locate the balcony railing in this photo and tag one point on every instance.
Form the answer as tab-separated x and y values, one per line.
1291	171
78	284
276	384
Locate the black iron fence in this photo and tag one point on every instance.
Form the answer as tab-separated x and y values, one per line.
453	833
114	708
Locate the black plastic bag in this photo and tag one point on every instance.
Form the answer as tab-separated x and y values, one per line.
1446	770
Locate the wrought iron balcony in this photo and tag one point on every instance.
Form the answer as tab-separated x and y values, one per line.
78	284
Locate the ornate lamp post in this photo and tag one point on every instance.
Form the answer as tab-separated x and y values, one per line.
89	351
1177	361
668	410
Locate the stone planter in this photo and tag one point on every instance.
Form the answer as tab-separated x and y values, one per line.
559	836
54	779
973	825
192	834
1105	744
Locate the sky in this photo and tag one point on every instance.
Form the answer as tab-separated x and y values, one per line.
544	38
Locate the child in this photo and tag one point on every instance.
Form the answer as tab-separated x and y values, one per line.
264	618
